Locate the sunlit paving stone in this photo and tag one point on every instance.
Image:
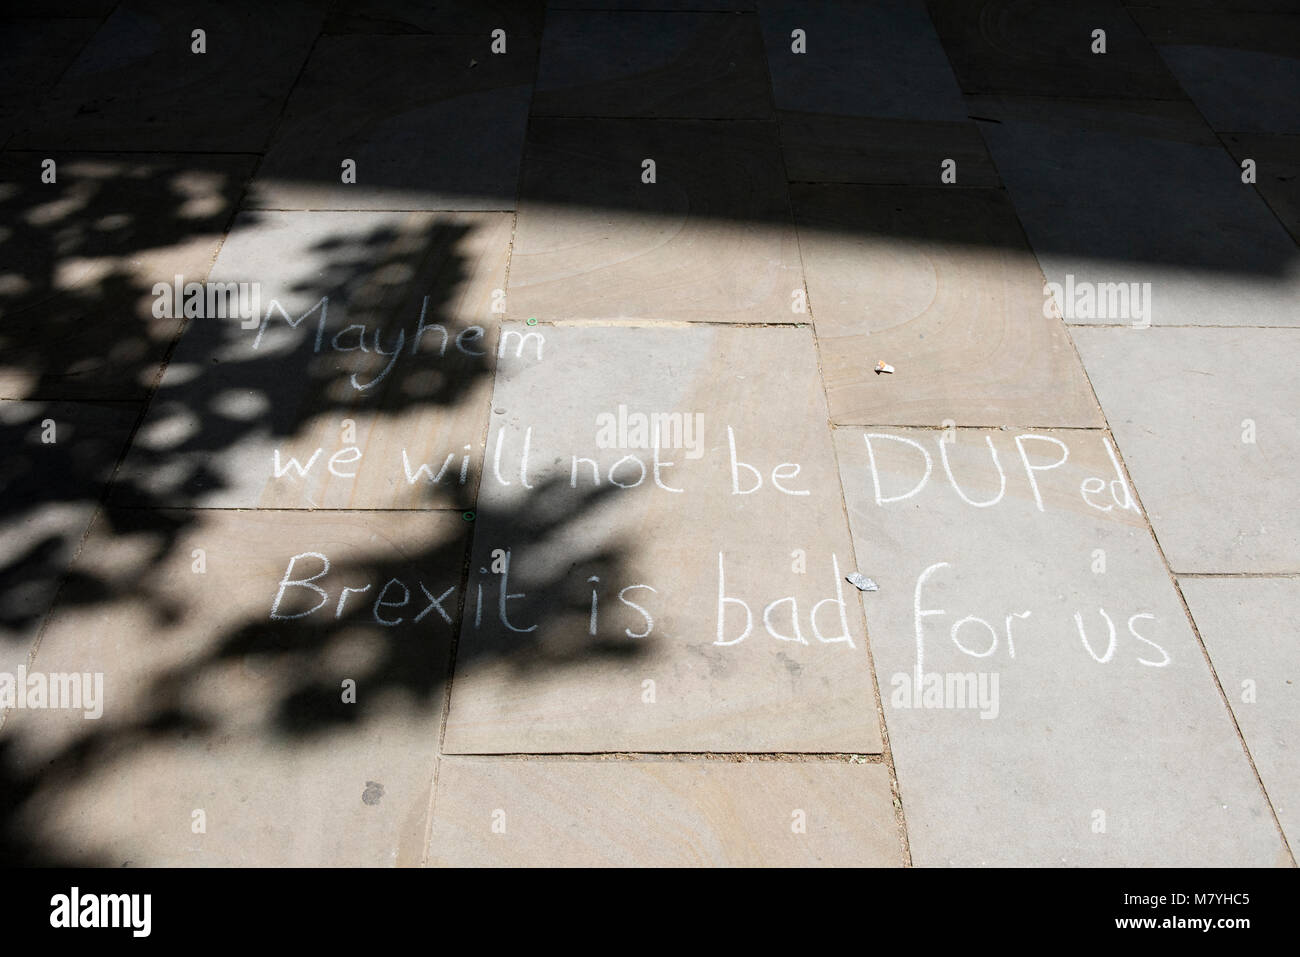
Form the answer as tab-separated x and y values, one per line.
1248	628
600	813
1046	700
1207	421
943	288
617	602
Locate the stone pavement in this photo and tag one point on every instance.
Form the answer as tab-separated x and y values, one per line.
504	512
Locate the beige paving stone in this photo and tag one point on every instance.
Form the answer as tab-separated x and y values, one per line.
556	813
138	85
943	288
660	556
429	123
58	456
1183	404
1248	626
238	407
82	256
1037	735
211	703
710	240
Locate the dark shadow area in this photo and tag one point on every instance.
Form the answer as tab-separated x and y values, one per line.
97	334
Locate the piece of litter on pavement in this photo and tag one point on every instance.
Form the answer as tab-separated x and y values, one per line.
883	366
861	582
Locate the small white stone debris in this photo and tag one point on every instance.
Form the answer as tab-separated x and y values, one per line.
883	366
861	582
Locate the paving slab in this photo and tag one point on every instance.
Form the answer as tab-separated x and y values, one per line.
710	240
1001	46
1248	626
429	123
212	704
259	417
943	288
697	65
33	54
617	607
508	813
82	257
1241	69
137	85
1277	171
1110	242
866	95
1025	731
1207	422
445	17
58	456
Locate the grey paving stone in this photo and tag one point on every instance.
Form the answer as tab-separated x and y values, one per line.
258	417
1098	235
943	288
138	86
1039	737
430	123
1242	70
710	240
82	258
1005	46
1248	626
211	704
506	813
670	662
58	457
1182	404
652	64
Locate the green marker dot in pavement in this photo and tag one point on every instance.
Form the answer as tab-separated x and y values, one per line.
468	516
532	321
